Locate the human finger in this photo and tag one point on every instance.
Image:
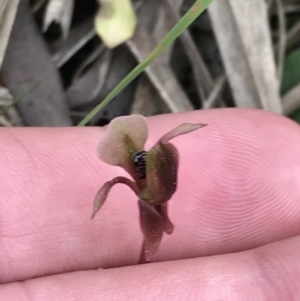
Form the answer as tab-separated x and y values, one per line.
271	272
239	181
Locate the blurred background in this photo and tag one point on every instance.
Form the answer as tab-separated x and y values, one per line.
55	67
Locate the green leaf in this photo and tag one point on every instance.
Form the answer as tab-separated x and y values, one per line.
291	71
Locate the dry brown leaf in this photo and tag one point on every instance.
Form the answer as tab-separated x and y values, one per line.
147	101
202	76
282	39
102	76
86	86
163	78
292	37
144	99
212	100
8	10
92	57
59	11
148	34
243	35
27	62
62	50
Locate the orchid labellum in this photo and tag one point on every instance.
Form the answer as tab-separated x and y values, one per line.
154	173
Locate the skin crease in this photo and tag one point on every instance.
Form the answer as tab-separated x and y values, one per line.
237	199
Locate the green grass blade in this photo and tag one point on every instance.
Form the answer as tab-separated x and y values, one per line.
291	71
198	7
6	109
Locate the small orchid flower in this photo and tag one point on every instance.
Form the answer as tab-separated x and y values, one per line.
154	173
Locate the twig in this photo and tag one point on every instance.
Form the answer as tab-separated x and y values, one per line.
62	50
38	5
293	8
211	101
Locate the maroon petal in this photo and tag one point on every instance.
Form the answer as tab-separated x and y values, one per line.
182	129
162	165
163	211
101	196
152	227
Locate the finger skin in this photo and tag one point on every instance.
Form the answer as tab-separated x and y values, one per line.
239	188
269	273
